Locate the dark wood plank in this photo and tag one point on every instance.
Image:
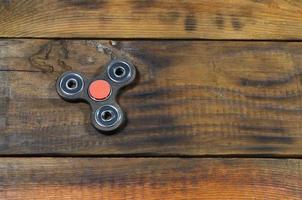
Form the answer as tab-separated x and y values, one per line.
152	179
210	19
190	98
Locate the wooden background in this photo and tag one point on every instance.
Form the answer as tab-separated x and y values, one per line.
214	112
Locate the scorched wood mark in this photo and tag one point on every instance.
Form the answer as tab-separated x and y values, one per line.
85	4
190	23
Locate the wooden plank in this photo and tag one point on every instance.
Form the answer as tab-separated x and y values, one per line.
207	19
148	178
190	98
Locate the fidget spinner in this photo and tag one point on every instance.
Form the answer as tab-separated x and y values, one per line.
100	93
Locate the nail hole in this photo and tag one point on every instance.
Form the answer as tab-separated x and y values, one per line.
119	71
71	84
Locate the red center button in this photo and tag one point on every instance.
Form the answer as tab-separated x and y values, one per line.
99	90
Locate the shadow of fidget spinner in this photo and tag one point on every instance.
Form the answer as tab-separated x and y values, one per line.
100	93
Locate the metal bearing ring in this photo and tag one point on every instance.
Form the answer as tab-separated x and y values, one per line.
108	117
71	84
120	72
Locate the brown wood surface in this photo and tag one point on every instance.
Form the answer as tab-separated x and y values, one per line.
194	105
210	19
149	178
191	98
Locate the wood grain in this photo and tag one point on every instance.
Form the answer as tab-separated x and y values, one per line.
148	178
190	98
207	19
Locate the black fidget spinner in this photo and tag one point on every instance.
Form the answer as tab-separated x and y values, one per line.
100	92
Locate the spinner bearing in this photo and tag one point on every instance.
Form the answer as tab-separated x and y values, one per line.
100	93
